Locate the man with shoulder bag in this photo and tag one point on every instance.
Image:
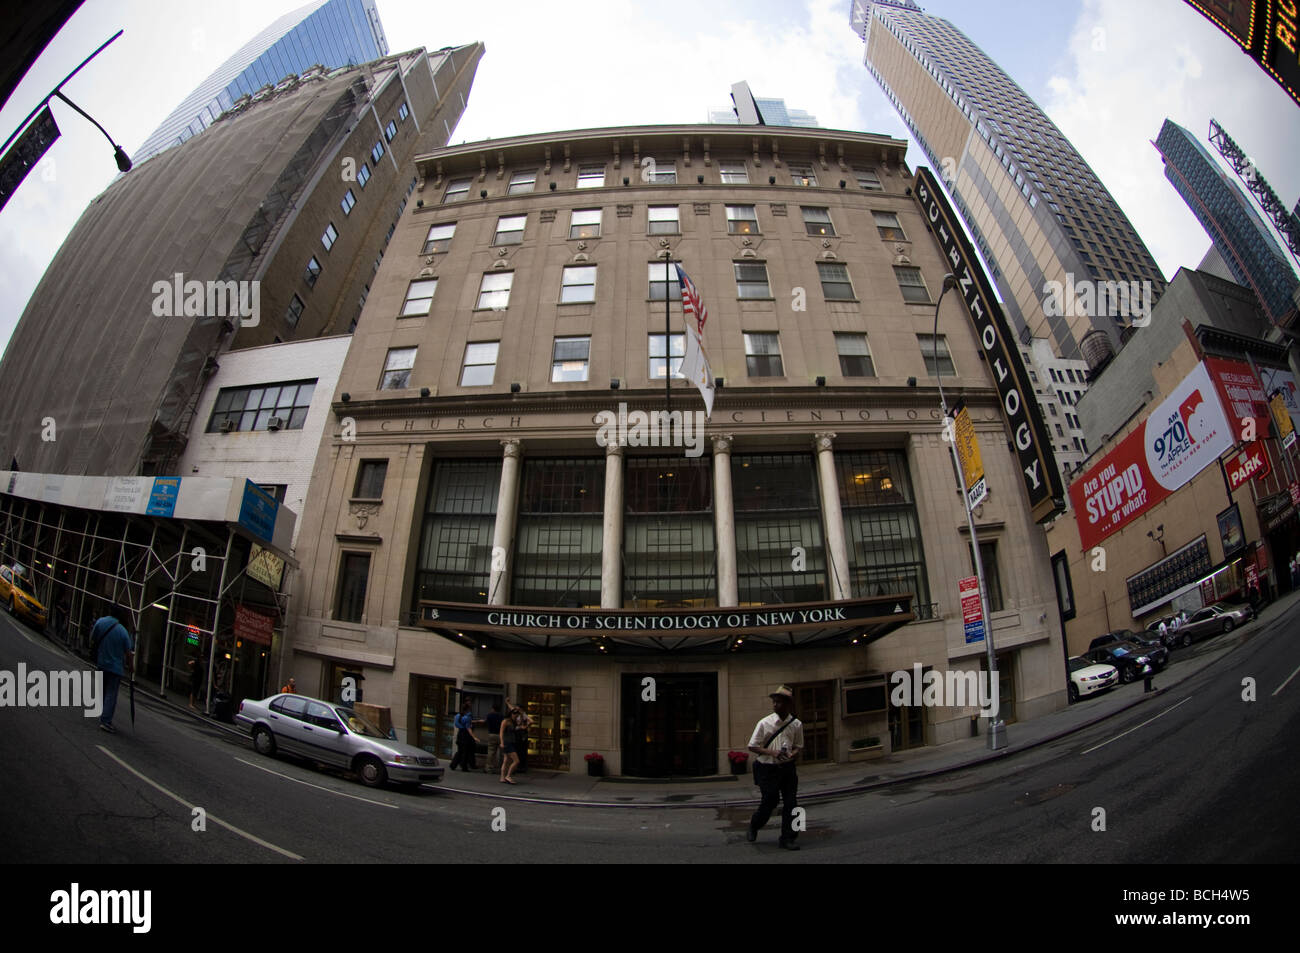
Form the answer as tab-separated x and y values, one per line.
776	743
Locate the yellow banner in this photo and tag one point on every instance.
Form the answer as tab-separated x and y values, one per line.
1282	420
968	452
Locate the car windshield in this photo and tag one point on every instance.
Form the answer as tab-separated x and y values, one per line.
358	724
1122	650
1077	663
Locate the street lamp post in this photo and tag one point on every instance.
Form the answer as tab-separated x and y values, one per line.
997	732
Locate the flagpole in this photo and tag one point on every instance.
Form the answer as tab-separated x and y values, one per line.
668	337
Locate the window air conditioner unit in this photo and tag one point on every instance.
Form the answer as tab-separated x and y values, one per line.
275	423
228	425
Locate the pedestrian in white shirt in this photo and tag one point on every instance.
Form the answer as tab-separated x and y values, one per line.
777	741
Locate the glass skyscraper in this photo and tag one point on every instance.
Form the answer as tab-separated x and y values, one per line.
1039	215
329	33
1240	235
751	110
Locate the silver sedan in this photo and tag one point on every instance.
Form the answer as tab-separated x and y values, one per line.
335	735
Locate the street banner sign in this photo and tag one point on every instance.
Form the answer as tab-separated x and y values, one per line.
972	608
968	452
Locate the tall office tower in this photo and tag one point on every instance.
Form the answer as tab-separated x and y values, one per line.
329	33
268	227
1240	236
750	110
1062	252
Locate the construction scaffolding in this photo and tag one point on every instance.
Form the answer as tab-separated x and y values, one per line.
206	600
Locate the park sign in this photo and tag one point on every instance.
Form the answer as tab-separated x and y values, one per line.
1029	435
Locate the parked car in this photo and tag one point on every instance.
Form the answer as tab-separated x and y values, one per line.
1212	620
336	735
1151	646
1088	677
18	593
1241	614
1170	638
1125	656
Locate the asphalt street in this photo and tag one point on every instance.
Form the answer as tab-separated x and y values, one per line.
1198	776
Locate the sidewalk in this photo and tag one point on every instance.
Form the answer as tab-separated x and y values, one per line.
819	780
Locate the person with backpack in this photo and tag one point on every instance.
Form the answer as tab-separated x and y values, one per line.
777	741
113	650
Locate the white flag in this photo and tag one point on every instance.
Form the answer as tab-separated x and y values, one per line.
695	365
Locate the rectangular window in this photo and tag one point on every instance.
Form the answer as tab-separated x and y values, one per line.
584	223
558	534
665	173
480	364
668	540
370	480
457	190
935	352
331	235
510	230
662	220
664	281
494	292
403	111
294	312
419	297
251	408
377	152
855	355
733	173
867	179
657	356
911	284
992	578
354	570
578	284
397	368
390	130
525	181
835	281
751	280
763	355
818	221
349	200
569	359
439	238
591	176
742	220
802	174
456	537
363	174
777	508
888	225
313	272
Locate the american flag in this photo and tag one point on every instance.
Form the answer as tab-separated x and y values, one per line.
691	302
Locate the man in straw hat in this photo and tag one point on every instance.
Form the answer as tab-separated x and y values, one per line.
777	741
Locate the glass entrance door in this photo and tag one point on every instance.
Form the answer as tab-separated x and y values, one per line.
676	733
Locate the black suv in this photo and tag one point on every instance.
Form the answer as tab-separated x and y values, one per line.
1150	645
1129	658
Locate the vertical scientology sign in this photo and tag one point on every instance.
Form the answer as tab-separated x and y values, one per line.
1029	436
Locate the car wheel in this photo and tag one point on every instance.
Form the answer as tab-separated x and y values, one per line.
1187	640
1127	674
13	606
1074	693
263	741
1227	625
372	772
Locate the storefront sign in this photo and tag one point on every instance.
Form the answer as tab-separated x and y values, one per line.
1029	435
968	452
253	626
972	608
1184	435
1251	464
1242	395
127	494
266	567
1294	488
162	501
1252	576
258	511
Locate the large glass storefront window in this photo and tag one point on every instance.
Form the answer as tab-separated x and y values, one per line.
881	531
435	700
456	540
779	552
668	552
558	535
548	736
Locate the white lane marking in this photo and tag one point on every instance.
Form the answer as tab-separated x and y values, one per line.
1288	678
1136	727
316	786
216	820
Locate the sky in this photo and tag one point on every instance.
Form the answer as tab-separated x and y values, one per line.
1108	72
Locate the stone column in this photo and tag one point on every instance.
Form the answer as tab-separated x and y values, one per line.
837	554
611	553
724	521
503	534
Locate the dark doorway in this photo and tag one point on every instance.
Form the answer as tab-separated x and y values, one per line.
676	733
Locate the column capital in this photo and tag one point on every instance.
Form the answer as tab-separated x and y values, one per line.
512	447
824	441
613	449
722	442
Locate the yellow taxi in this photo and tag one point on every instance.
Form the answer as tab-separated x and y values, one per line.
18	594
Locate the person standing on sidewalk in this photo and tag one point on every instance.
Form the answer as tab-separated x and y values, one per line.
493	723
510	744
465	740
777	741
115	655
